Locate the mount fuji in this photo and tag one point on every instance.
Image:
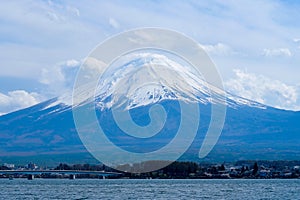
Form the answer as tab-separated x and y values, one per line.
46	132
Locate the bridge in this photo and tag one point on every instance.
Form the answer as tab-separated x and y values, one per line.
71	173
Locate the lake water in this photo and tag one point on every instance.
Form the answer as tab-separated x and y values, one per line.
149	189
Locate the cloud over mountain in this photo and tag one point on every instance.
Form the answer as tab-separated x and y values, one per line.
263	90
61	77
277	52
18	99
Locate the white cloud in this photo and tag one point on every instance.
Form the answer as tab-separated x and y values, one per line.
60	78
277	52
18	99
113	23
296	40
54	16
62	8
93	65
218	49
71	63
264	90
73	10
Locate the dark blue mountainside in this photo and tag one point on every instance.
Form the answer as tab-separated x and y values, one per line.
45	133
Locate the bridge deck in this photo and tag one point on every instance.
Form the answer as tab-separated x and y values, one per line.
101	173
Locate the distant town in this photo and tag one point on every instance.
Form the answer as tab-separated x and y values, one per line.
177	170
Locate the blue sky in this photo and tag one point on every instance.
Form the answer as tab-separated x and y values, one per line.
255	44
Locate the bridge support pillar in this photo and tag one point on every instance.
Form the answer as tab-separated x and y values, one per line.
30	176
72	176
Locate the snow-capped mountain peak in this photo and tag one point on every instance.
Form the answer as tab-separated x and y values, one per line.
149	78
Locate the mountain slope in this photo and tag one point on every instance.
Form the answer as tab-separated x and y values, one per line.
249	133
